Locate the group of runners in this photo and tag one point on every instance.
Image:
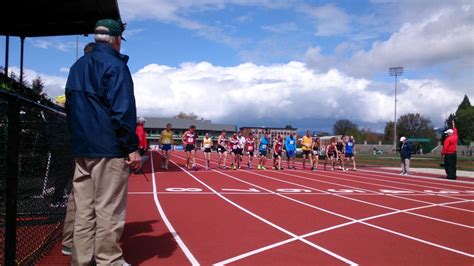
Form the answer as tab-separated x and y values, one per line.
239	146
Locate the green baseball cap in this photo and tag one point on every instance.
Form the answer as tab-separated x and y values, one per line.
115	27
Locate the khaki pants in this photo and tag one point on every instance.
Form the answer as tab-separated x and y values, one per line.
100	197
406	166
69	222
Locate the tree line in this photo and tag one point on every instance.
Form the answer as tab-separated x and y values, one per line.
414	125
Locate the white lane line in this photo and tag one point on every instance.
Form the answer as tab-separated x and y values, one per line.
425	177
176	236
373	177
353	199
394	175
377	216
375	204
268	222
373	191
265	248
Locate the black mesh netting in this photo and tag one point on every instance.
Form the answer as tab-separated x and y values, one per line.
45	172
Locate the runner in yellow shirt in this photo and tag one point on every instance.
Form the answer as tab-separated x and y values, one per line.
166	143
307	146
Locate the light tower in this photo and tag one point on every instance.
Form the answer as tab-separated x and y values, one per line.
395	71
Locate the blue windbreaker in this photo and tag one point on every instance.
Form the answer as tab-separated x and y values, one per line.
100	105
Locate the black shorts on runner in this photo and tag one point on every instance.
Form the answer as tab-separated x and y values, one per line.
190	147
276	154
235	151
262	153
221	149
349	155
207	150
332	154
250	153
306	152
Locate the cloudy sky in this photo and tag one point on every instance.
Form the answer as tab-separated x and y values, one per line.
275	62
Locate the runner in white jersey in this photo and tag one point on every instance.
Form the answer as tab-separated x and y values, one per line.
222	145
207	145
241	147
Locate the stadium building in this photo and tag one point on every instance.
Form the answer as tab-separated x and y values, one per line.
273	131
154	126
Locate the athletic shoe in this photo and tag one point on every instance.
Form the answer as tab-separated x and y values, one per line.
258	167
66	251
263	168
234	168
312	168
406	174
354	169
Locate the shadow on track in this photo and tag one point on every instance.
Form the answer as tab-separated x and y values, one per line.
139	245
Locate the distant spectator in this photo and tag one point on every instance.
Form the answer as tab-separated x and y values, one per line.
405	156
141	134
89	47
449	152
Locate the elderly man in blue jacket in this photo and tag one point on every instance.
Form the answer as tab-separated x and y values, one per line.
101	110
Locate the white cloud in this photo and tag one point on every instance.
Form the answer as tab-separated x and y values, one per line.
53	85
281	28
330	20
251	93
64	69
58	45
444	37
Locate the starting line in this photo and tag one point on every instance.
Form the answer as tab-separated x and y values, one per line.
330	191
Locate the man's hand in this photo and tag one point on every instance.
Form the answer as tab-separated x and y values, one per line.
134	160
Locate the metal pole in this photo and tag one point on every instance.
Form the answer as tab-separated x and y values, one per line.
395	118
77	47
11	183
22	51
7	51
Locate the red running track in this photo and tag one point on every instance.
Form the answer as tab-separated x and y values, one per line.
294	217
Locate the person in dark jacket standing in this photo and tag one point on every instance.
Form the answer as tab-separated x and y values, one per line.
449	152
405	156
101	111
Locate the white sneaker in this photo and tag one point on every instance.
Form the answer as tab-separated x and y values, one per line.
66	251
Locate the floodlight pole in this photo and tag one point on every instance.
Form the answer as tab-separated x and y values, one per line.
395	71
